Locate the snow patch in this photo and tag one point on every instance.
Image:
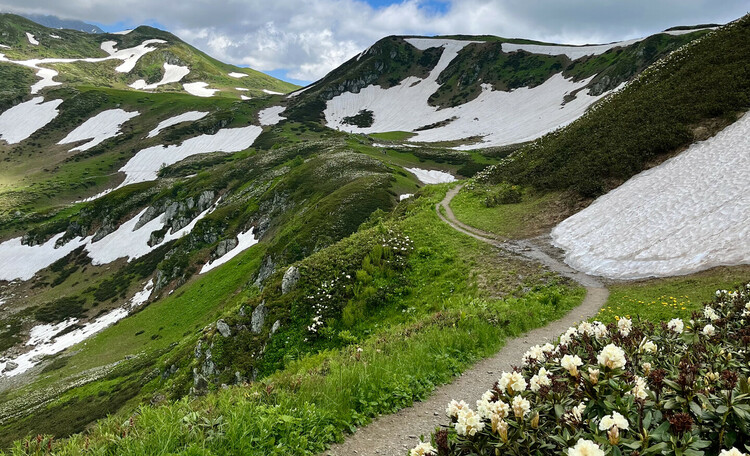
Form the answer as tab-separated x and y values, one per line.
295	93
688	214
57	37
56	345
122	32
18	261
271	92
31	39
431	176
172	73
199	89
190	116
41	334
242	89
99	128
129	56
145	165
4	46
271	116
244	241
245	98
237	75
22	120
405	196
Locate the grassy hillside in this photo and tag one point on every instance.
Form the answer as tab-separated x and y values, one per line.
685	97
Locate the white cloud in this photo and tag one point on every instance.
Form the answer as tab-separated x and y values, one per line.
308	39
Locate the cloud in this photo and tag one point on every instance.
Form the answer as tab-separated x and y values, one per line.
308	39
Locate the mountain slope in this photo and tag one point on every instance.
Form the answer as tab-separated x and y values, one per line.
58	23
450	90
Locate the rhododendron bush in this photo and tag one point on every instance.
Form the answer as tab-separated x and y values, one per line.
629	388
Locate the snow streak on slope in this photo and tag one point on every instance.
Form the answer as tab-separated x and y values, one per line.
237	75
189	116
199	89
31	39
52	345
244	241
145	165
99	128
500	118
688	214
431	176
172	73
18	261
21	121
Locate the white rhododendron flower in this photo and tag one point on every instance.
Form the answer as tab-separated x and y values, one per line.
710	313
586	328
578	410
612	357
709	330
646	367
640	390
585	448
521	407
615	419
571	363
676	325
624	325
593	375
534	353
540	379
600	330
648	346
568	336
511	381
423	449
468	423
549	348
454	407
732	452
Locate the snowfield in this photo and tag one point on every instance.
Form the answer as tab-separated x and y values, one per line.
237	75
31	39
23	120
688	214
145	165
499	117
431	176
244	241
199	89
18	261
190	116
99	128
172	73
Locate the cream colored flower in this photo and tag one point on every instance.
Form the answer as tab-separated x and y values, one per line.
534	353
615	419
568	336
648	347
646	368
612	357
521	407
571	364
500	427
640	390
593	375
423	449
455	407
585	448
732	452
624	325
540	379
676	325
710	313
468	423
600	330
512	381
709	330
578	410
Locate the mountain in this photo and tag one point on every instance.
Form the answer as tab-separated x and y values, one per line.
59	23
160	241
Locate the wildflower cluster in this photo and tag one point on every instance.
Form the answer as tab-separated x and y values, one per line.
630	388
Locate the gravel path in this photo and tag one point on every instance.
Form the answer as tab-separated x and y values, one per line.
394	435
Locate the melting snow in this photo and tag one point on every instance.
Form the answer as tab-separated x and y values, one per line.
99	128
245	98
41	334
271	92
499	117
244	241
172	73
18	261
55	345
189	116
32	40
122	32
237	75
405	196
22	120
145	165
688	214
199	89
295	93
242	89
270	116
56	37
431	176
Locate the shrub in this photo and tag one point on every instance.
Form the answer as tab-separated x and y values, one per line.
630	387
504	193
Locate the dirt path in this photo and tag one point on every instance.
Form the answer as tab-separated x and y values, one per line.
394	435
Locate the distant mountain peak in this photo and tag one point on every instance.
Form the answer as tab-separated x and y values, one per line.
59	23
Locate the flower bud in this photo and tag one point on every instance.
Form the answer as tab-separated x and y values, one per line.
535	421
613	435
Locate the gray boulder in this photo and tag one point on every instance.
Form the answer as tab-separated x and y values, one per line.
223	328
290	279
258	318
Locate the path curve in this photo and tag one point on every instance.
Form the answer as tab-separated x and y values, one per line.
394	435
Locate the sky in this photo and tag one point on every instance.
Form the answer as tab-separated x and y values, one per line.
302	40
